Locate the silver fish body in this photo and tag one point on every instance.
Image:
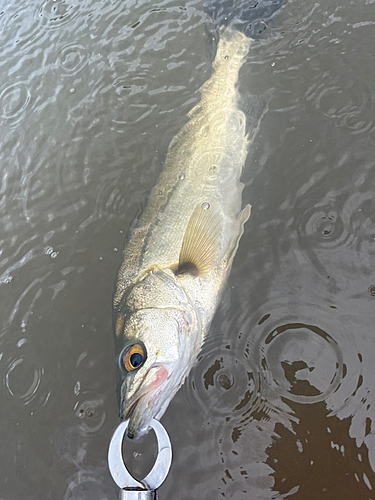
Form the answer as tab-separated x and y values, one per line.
179	255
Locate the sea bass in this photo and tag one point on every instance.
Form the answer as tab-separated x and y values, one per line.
179	255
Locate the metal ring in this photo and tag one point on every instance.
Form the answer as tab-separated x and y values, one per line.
157	474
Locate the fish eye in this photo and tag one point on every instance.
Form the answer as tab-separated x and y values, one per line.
134	357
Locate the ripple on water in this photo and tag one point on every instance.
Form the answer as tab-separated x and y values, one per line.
301	362
72	59
15	26
336	231
308	363
322	226
225	384
91	484
26	380
56	14
90	409
14	100
350	106
22	379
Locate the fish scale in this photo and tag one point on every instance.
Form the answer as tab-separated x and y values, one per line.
158	237
179	255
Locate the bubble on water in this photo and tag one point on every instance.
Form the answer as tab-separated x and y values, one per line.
181	177
323	228
371	290
213	170
51	252
91	412
326	226
225	381
205	205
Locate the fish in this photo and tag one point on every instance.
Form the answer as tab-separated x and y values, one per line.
180	253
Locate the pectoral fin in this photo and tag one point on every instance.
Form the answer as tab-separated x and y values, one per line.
201	241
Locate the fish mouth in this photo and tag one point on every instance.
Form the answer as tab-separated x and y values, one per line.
144	404
140	415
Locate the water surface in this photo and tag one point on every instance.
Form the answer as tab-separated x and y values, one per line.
281	402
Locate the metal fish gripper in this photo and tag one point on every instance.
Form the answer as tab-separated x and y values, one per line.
131	488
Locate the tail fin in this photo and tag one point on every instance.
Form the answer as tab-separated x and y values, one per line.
248	16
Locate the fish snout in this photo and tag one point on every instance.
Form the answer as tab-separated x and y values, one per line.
142	406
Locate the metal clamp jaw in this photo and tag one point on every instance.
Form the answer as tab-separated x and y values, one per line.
130	488
138	495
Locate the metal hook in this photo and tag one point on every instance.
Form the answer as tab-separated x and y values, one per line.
159	471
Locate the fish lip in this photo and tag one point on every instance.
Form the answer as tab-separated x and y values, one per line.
126	415
136	426
145	397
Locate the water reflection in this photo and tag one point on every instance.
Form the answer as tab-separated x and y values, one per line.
224	384
281	403
317	457
92	483
301	362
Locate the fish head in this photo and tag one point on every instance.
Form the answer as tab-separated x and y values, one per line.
155	357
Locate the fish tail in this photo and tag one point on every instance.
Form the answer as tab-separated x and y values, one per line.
251	17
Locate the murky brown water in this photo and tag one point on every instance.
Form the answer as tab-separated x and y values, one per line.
281	403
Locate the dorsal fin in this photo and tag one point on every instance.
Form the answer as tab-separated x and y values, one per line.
201	240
